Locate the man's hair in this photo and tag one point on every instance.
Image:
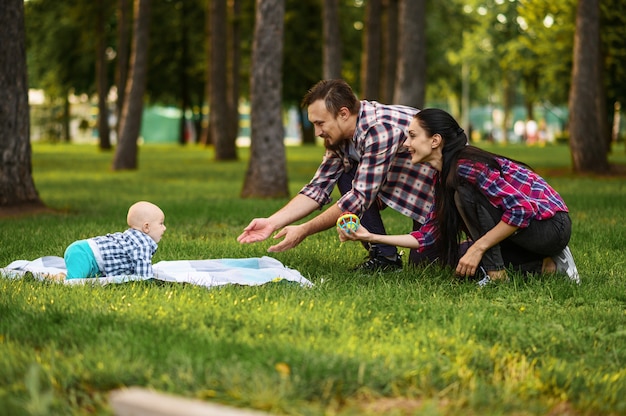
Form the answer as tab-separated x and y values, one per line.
336	94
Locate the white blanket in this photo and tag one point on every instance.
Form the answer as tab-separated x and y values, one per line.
209	273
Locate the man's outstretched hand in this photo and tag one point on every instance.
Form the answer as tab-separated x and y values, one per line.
259	229
292	235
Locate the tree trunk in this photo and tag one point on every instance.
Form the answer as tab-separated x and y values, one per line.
235	64
16	182
508	97
411	80
371	57
306	129
332	40
267	170
218	101
586	112
121	73
185	100
126	153
104	137
205	133
67	115
390	50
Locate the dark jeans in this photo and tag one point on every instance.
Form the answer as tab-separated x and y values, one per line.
526	248
372	220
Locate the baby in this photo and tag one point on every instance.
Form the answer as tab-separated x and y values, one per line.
118	254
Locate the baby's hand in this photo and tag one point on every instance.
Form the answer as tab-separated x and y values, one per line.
59	277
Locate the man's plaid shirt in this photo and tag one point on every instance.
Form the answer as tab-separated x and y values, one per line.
384	172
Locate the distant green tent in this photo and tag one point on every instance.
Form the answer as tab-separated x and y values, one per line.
160	124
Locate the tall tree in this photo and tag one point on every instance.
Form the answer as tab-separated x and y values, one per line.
267	170
225	148
121	67
613	23
102	83
234	37
177	61
332	40
61	58
205	134
183	64
390	50
16	182
372	38
587	107
411	80
130	127
302	70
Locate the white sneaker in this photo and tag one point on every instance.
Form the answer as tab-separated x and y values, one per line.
565	264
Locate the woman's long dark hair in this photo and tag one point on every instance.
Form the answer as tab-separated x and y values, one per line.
455	147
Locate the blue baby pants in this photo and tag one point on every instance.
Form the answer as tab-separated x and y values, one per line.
80	261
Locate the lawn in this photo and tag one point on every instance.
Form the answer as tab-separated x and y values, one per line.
414	342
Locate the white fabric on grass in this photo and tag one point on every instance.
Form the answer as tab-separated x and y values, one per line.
208	273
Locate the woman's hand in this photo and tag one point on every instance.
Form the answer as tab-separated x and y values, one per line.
468	264
361	234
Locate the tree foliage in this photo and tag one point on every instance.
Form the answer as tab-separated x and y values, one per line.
495	52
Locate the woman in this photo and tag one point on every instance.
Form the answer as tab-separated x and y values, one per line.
511	214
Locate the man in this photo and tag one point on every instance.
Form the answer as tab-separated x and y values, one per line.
366	159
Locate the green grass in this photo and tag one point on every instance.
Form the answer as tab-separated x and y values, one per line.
414	342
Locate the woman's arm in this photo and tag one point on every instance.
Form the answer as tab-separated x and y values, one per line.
362	234
468	264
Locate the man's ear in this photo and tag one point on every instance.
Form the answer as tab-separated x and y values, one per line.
344	113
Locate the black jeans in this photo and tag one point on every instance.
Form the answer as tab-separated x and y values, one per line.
372	220
526	248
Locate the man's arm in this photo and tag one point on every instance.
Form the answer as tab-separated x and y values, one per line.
260	229
294	234
299	207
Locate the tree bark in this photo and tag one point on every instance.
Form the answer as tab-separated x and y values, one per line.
121	73
390	50
411	80
104	137
235	64
267	170
371	57
332	40
183	64
16	182
306	129
126	153
67	114
205	133
586	111
225	148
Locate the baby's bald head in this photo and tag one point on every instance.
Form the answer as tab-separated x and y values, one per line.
142	212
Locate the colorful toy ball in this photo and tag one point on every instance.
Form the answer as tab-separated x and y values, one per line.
348	222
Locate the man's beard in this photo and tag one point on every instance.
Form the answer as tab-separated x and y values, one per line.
334	146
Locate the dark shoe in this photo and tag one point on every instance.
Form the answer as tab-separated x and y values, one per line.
378	263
